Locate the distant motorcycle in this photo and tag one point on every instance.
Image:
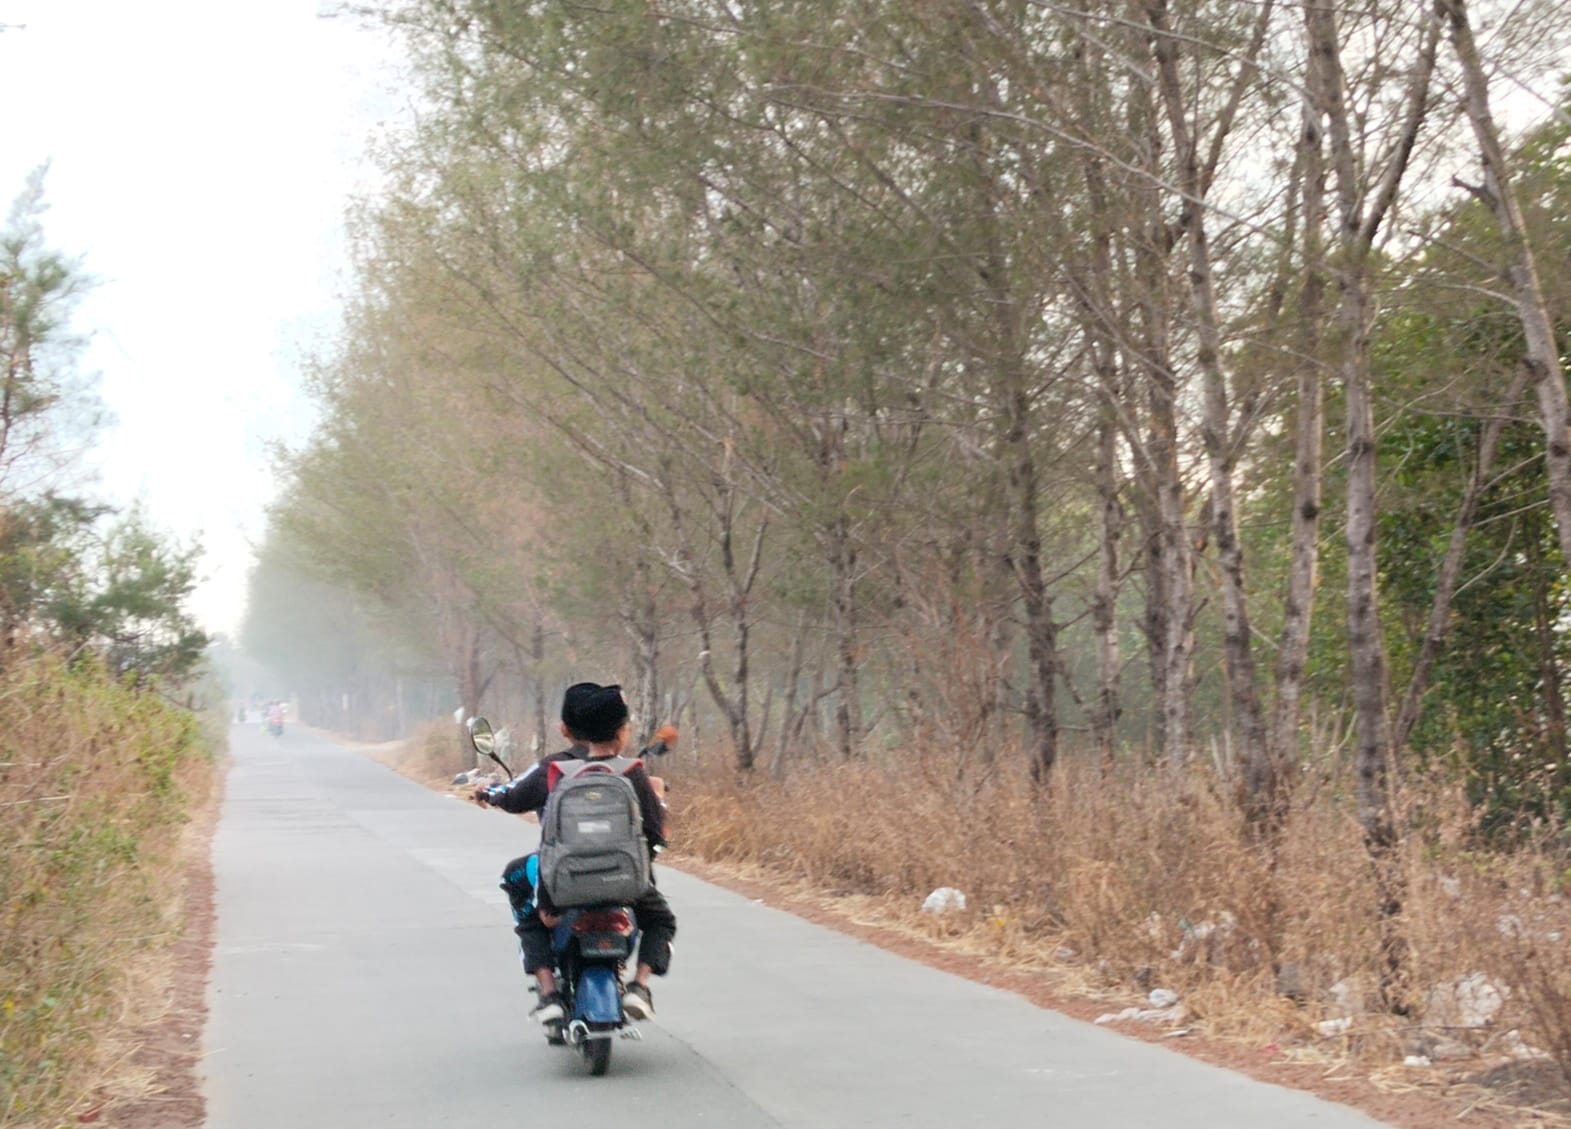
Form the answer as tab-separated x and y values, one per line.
275	722
591	945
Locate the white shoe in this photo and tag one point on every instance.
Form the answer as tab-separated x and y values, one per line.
637	1003
548	1010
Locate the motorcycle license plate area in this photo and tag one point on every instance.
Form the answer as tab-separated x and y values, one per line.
598	998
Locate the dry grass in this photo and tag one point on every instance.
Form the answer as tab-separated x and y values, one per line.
1141	877
432	756
94	783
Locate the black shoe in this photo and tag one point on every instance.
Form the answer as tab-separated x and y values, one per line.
548	1010
637	1002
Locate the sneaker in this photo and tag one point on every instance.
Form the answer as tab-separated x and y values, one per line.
637	1002
548	1010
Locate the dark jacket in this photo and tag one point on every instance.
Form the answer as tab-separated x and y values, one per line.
529	791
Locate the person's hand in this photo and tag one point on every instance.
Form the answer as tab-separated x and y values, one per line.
658	784
666	735
547	918
481	795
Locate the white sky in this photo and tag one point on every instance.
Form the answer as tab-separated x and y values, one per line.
202	154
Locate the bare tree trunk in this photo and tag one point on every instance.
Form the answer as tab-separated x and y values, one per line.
842	568
1358	228
1543	355
1308	446
1216	428
1041	705
537	677
1554	726
733	703
472	685
1104	605
1169	562
644	626
1100	318
1011	391
1366	645
792	717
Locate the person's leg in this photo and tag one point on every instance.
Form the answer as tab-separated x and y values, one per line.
520	891
534	937
534	940
657	929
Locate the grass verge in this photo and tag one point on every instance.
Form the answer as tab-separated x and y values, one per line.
96	780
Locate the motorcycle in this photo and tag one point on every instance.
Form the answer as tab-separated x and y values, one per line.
591	945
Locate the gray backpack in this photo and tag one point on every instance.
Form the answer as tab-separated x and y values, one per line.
592	848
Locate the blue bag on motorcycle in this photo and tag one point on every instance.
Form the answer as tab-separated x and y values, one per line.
592	848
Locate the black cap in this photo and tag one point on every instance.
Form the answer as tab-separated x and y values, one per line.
592	712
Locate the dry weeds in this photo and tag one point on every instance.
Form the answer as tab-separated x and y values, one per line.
1114	883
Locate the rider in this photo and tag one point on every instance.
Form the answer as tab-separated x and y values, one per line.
596	719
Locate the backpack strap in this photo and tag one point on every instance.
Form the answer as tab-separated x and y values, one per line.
557	771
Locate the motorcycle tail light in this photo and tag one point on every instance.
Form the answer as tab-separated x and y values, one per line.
603	921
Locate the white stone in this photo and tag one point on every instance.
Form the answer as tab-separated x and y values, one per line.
1162	997
1479	999
1472	1001
1329	1028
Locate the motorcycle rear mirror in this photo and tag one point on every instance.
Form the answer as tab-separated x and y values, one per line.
481	736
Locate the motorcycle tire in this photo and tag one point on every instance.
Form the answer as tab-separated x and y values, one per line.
598	1052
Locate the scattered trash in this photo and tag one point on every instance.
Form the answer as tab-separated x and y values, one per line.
1417	1060
1205	939
1330	1028
1176	1013
945	899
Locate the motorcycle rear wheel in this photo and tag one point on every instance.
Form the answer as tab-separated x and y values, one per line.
598	1052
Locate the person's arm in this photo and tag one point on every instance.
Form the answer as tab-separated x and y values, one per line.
649	805
526	793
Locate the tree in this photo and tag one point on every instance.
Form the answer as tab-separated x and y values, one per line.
43	400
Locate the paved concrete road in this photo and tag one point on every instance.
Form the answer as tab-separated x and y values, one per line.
366	975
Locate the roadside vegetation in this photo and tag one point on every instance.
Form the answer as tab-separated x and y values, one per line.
1110	459
105	745
1109	885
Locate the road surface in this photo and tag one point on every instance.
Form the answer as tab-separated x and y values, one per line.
366	975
